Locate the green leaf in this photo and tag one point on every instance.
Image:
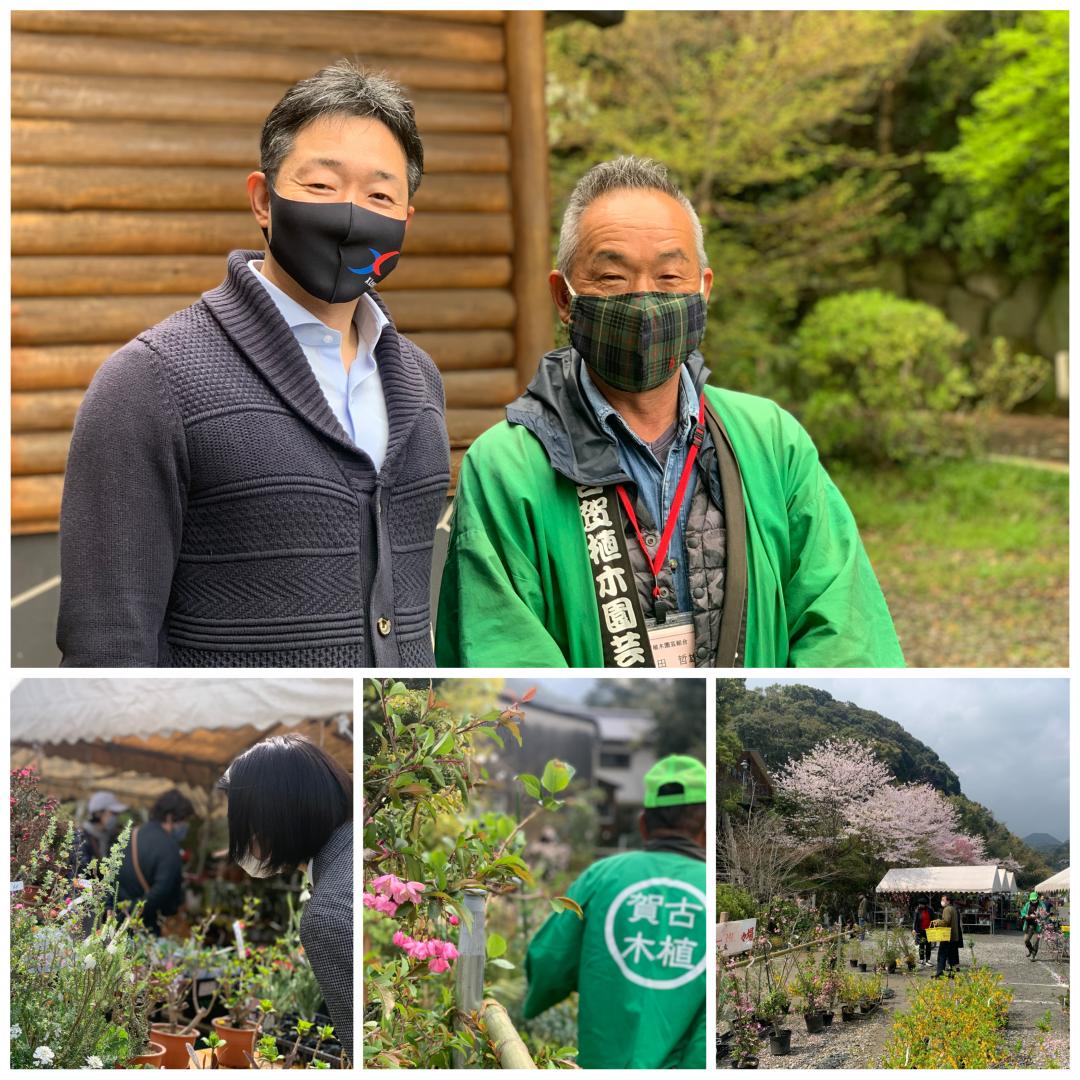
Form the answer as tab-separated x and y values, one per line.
446	745
557	775
399	689
530	783
503	963
496	945
550	804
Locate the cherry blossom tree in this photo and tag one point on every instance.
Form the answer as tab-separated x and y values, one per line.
841	790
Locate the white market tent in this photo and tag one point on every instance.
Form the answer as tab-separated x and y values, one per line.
1059	883
138	736
1010	881
944	879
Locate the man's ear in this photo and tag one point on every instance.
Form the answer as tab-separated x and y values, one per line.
560	294
259	198
408	217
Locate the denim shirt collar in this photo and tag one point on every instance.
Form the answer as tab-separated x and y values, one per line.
612	421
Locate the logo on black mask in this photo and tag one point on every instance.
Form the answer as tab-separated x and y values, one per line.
334	251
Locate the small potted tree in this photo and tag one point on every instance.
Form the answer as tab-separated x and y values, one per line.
808	986
744	1043
174	981
246	1013
849	994
772	1007
870	994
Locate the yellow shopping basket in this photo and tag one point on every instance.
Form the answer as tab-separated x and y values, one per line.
938	933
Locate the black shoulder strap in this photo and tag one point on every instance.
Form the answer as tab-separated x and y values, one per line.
735	588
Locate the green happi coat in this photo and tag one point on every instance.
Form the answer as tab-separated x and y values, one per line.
517	590
645	1010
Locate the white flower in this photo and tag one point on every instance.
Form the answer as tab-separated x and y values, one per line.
131	976
305	896
89	963
44	1055
112	948
93	1062
16	1031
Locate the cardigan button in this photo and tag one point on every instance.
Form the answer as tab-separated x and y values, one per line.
384	626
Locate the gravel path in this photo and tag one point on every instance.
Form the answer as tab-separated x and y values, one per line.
1037	988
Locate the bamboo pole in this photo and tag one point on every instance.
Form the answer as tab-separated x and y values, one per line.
793	948
529	183
472	955
509	1049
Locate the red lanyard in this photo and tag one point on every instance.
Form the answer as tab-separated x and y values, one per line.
673	513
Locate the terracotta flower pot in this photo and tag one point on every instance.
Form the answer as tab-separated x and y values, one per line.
155	1057
237	1041
176	1055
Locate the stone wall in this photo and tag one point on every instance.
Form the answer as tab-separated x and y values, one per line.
1031	312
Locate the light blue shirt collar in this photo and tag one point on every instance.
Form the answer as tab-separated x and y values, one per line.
609	416
369	320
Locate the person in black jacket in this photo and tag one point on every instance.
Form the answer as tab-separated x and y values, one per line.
290	803
153	869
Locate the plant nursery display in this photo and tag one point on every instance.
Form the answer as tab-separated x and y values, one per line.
91	987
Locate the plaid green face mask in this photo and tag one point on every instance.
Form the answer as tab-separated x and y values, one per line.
636	341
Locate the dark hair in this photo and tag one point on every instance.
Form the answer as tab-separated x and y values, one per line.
688	818
288	795
343	89
172	803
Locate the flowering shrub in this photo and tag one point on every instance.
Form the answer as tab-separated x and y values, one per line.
424	852
78	988
953	1024
31	815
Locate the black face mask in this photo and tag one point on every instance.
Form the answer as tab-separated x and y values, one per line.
335	251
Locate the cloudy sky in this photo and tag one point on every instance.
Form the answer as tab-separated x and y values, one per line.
1007	739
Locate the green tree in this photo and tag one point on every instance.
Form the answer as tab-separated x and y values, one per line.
1013	154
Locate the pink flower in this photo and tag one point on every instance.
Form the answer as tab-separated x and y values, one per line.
453	920
399	938
438	966
379	903
449	952
401	892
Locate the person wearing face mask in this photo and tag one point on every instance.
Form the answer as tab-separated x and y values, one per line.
99	831
627	514
153	869
290	805
256	481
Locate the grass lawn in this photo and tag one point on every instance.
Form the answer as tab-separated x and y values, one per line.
973	557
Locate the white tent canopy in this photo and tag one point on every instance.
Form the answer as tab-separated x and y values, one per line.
73	710
942	879
1010	882
1059	883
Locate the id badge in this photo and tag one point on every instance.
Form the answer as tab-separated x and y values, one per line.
672	641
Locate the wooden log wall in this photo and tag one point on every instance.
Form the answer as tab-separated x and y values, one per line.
132	134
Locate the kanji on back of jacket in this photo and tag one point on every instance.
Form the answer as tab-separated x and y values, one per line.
636	957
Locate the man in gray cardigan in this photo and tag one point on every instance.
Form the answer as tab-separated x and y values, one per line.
256	481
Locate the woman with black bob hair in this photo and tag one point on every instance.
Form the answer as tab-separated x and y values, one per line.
290	804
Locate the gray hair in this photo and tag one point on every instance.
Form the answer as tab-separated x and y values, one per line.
622	174
343	89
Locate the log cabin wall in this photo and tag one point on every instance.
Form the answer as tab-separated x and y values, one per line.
133	132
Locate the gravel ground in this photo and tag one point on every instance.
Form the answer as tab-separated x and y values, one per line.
1036	987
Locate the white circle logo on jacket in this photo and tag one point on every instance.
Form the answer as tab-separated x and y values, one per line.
655	932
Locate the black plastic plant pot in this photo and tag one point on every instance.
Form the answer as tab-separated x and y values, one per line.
815	1022
862	967
722	1049
891	967
866	1010
847	1012
827	1017
853	962
780	1043
746	1063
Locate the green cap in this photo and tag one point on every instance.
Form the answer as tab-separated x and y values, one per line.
687	772
1034	895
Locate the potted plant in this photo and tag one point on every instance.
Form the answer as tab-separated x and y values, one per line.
908	950
849	993
246	1013
174	979
809	987
150	1053
870	994
744	1043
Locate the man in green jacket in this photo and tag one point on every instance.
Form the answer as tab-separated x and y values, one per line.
1029	920
627	515
637	955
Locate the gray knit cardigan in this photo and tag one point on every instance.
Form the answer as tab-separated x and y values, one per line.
215	513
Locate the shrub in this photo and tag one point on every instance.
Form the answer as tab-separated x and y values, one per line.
738	903
952	1024
877	373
